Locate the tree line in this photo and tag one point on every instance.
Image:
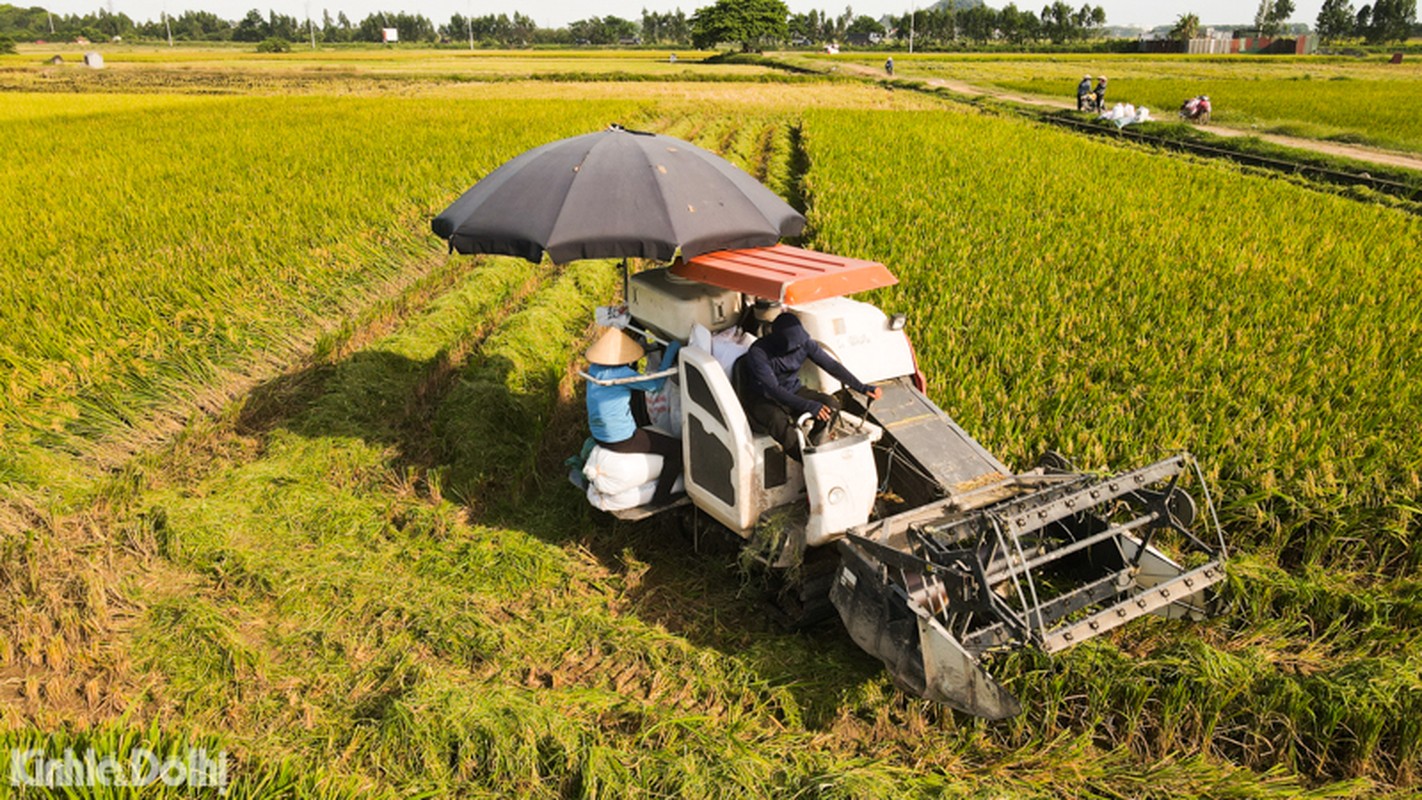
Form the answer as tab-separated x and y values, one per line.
1376	23
752	23
33	24
1058	23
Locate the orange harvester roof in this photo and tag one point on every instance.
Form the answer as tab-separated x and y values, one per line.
788	274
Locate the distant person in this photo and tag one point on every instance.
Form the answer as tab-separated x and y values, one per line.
1083	90
769	381
1101	93
889	66
610	406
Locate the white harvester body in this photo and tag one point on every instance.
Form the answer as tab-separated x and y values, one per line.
942	554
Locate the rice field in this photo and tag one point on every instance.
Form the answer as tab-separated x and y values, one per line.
1084	321
174	268
361	572
1364	100
374	60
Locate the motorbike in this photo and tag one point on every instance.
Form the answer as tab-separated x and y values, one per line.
1196	109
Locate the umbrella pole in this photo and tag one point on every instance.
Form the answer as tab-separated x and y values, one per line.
626	283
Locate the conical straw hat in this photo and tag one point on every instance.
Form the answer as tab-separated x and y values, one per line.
614	348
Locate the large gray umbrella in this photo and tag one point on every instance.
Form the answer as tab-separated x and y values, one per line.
616	194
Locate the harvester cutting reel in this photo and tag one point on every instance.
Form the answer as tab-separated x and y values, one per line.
1060	558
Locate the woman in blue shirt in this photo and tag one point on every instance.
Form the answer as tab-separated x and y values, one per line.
610	407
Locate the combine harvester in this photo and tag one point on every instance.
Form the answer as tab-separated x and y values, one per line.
940	554
934	553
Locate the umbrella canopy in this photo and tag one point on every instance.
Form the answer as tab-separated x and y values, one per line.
616	194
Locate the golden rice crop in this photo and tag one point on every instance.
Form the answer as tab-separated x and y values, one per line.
336	606
1355	100
1115	305
1375	112
167	238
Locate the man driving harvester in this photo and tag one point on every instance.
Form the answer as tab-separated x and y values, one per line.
768	377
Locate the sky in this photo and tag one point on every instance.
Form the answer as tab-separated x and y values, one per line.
556	13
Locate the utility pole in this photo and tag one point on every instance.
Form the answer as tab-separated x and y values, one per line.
469	20
912	15
166	25
50	17
309	28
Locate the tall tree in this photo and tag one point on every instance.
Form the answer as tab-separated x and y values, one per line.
1016	26
1283	9
1057	22
252	28
1261	17
978	23
1389	21
864	24
1087	20
1271	16
1335	20
747	22
1187	27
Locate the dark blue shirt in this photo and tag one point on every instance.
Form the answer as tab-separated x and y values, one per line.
772	367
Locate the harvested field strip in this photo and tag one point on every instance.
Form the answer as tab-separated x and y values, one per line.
62	602
521	374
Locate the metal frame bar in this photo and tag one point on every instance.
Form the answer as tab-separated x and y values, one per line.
1157	596
651	376
1076	546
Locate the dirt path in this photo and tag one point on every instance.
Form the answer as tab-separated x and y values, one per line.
1355	152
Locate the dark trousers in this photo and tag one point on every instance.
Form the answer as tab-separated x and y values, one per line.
645	441
768	416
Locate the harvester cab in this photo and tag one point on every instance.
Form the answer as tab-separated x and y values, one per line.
940	555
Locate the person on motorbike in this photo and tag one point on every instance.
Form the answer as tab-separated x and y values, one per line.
1196	108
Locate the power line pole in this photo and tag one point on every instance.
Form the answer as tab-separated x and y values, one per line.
912	15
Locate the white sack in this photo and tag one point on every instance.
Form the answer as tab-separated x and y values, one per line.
614	473
729	345
664	407
629	498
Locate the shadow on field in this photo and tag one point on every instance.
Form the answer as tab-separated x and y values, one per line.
697	589
500	451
